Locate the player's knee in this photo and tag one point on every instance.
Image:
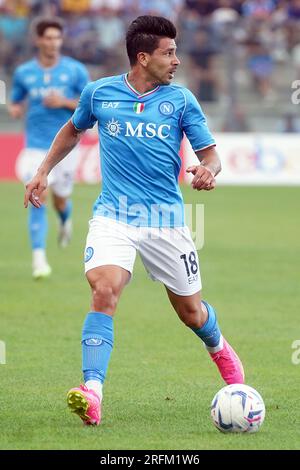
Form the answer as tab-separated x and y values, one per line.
191	316
104	298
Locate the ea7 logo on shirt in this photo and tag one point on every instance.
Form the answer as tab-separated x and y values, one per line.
149	130
110	104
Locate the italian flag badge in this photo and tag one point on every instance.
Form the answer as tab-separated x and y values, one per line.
138	108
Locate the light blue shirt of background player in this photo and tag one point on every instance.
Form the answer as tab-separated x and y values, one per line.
37	84
140	137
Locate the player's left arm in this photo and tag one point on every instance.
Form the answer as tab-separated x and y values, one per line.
194	124
205	173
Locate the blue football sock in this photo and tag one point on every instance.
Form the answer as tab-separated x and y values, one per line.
97	344
38	226
66	213
210	332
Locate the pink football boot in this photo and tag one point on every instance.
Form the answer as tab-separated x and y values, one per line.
86	404
229	364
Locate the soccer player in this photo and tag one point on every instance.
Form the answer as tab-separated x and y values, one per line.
46	89
141	118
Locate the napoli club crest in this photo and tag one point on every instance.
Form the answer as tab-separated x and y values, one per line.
166	108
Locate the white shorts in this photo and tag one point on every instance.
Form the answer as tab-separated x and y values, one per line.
168	254
61	178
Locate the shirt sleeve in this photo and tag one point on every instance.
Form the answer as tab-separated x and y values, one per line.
193	123
83	117
82	78
18	91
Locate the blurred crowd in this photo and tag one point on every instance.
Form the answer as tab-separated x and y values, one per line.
226	45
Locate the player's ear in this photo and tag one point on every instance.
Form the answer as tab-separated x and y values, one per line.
143	58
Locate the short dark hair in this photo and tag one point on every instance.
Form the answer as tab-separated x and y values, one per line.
41	24
144	33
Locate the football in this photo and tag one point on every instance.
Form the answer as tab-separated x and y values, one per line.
238	408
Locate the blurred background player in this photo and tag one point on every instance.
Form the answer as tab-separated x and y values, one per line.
140	130
46	90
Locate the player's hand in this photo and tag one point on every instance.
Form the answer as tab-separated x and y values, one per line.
54	100
34	189
203	178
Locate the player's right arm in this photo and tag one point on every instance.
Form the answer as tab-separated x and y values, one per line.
66	139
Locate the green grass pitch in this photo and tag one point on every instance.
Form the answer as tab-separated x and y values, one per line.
161	381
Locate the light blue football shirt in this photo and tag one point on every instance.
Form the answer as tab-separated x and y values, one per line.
140	137
33	82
